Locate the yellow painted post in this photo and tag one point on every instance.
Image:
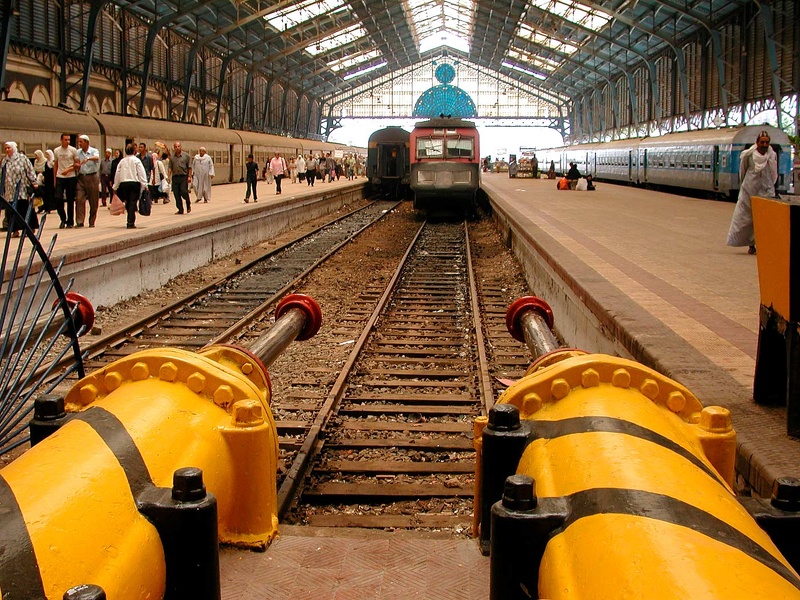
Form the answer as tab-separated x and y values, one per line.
777	374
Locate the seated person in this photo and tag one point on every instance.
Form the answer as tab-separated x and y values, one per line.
573	175
589	183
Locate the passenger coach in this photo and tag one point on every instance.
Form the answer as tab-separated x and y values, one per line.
388	161
704	160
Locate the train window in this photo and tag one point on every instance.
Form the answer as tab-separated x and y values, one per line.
685	161
460	148
430	148
707	163
724	160
672	162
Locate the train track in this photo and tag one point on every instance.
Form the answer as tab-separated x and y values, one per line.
220	311
391	443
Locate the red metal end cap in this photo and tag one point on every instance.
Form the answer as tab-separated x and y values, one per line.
85	313
311	309
522	305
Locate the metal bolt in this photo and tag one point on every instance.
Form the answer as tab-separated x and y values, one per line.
559	388
519	493
649	388
196	382
85	592
247	368
248	413
531	403
187	485
223	395
168	371
88	393
715	419
786	494
676	402
621	378
48	407
112	380
590	378
140	371
504	417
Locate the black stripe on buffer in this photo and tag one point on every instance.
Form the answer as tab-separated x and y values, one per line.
20	578
554	429
599	501
120	442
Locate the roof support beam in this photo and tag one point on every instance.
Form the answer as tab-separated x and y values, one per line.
152	32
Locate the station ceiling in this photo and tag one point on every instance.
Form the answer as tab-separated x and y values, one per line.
326	47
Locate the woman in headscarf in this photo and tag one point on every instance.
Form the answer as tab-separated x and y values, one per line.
18	175
39	164
49	195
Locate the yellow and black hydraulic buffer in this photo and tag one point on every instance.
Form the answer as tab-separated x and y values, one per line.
601	478
161	455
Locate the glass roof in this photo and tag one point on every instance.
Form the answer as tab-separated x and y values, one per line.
527	32
575	12
302	12
441	23
540	62
353	60
340	38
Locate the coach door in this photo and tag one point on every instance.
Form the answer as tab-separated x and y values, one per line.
715	167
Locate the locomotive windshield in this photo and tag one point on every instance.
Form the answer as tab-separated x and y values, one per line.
435	147
460	148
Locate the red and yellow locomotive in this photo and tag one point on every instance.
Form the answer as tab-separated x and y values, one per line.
445	164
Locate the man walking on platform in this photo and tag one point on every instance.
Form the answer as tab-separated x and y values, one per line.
147	160
65	168
202	174
180	172
106	182
277	166
88	187
758	172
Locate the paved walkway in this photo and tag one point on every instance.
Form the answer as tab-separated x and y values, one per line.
225	199
655	268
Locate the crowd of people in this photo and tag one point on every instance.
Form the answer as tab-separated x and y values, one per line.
67	179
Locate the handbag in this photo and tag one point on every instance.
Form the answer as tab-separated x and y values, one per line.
117	206
164	187
145	203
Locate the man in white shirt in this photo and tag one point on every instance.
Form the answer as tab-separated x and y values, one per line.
88	187
65	171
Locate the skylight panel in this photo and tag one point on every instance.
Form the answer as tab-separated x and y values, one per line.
540	62
525	70
353	60
302	12
575	12
360	72
441	23
443	38
340	38
528	33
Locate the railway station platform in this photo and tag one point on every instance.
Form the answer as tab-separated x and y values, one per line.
111	263
647	275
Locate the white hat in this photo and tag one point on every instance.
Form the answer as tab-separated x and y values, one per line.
108	150
83	137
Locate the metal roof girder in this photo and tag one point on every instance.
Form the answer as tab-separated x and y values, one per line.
152	32
769	37
610	41
568	57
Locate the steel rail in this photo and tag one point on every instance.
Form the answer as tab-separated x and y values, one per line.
313	443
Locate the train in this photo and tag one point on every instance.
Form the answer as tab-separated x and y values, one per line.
445	164
702	160
389	161
36	127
